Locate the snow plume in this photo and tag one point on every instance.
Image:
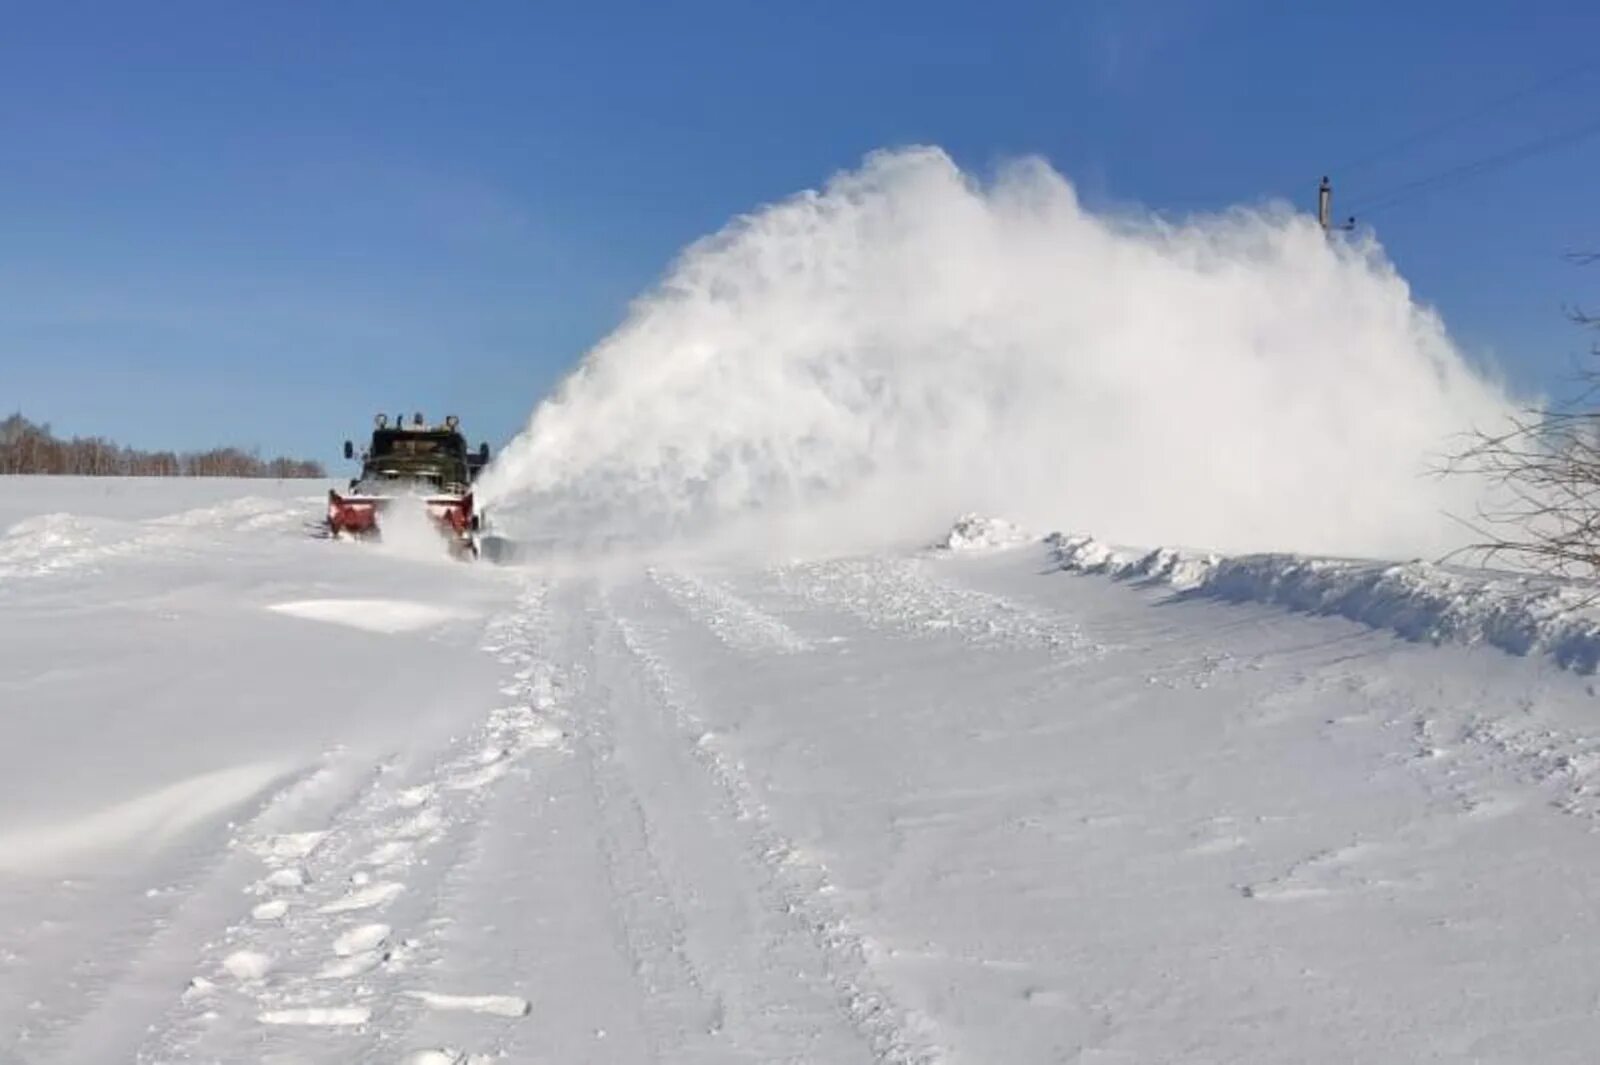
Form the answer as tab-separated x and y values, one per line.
909	343
409	531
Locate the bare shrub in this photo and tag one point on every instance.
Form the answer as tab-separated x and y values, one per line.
1544	471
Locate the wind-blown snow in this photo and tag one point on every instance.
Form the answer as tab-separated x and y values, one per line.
910	342
374	615
137	824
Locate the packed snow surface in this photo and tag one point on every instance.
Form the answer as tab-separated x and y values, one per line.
922	805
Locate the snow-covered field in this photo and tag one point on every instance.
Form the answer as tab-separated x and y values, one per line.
265	797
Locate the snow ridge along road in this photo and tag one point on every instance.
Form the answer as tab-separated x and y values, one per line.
266	798
1519	613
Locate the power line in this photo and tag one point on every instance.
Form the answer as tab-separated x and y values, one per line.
1487	107
1456	175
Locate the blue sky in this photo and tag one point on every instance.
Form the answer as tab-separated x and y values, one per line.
256	224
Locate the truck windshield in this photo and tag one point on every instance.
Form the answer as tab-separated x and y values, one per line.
417	444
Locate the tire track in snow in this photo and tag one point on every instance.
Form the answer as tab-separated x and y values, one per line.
792	888
591	840
896	594
343	919
681	1015
738	623
555	682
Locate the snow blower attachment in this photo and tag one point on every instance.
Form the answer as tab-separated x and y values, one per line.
425	462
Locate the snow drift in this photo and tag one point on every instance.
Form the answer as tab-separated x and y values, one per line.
910	342
1519	613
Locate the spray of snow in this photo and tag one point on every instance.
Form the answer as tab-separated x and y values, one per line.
409	532
908	343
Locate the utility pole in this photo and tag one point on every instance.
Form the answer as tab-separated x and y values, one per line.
1325	209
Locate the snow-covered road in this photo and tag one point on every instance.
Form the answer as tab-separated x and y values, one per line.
269	798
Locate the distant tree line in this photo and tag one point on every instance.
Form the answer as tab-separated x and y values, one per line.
27	447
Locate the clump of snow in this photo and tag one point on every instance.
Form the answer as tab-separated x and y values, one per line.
975	532
446	1056
1165	565
1522	614
315	1016
365	898
293	877
273	910
198	987
288	846
246	965
495	1005
361	939
434	1057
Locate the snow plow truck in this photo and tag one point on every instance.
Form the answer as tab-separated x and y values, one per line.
428	463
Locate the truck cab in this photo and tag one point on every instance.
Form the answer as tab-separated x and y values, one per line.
415	459
434	458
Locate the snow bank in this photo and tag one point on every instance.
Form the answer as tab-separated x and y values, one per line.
1182	569
1522	614
156	500
974	532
